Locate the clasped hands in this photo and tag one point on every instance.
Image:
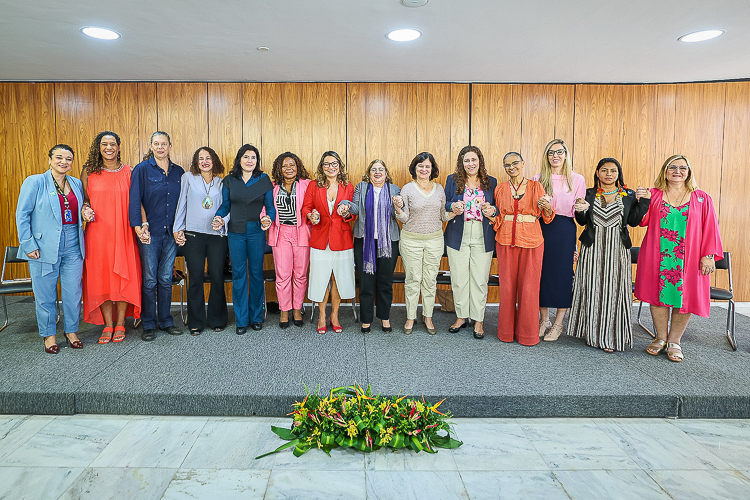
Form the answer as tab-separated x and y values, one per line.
87	213
218	223
459	207
544	203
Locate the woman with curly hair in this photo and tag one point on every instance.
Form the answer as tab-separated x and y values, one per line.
112	268
602	299
564	186
246	192
200	198
289	235
332	247
677	255
470	237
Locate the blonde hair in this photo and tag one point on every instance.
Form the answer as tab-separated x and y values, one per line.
661	179
545	176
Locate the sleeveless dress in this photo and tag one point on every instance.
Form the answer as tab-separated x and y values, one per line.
602	298
112	268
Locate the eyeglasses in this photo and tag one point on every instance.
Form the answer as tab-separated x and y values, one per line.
556	152
514	164
675	168
377	169
333	164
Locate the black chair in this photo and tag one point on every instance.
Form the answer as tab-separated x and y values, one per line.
716	294
728	295
18	285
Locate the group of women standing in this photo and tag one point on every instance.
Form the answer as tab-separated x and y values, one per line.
529	224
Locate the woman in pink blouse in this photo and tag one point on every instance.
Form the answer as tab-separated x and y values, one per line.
565	186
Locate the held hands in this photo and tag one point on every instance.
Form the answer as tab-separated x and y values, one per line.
581	205
707	266
488	210
33	255
87	213
144	235
343	209
544	203
217	223
642	192
398	202
265	222
458	207
179	238
314	217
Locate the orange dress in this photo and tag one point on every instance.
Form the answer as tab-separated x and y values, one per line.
112	268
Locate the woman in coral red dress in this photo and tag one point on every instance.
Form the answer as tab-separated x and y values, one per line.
112	268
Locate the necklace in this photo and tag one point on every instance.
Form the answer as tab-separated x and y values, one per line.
611	192
207	202
67	213
669	200
516	189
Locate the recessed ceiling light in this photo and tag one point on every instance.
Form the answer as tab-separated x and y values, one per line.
414	3
404	35
700	36
263	48
101	33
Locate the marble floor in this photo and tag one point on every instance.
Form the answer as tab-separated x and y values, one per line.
150	457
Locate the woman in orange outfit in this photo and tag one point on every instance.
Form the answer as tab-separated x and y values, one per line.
520	247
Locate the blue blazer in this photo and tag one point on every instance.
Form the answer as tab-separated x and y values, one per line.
454	231
38	217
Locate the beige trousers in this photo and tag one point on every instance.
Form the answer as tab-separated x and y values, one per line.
470	270
421	259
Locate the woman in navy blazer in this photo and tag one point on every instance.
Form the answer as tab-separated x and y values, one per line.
470	238
50	235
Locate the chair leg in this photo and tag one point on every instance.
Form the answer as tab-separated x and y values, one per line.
730	325
354	309
5	309
640	308
183	314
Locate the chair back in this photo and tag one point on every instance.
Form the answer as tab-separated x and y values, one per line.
634	251
11	258
725	263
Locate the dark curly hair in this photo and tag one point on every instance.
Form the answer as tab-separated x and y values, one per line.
95	162
236	171
460	176
424	155
320	175
277	173
217	168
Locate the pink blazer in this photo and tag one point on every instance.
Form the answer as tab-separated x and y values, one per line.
701	239
303	226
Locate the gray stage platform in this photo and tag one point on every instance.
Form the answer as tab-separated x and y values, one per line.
262	373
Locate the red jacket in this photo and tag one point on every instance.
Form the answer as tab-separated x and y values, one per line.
332	230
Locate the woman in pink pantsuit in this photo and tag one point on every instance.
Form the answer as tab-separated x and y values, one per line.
289	235
677	254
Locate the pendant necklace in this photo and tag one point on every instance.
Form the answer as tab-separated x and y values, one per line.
516	189
207	201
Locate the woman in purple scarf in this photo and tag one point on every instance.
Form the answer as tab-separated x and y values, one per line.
376	236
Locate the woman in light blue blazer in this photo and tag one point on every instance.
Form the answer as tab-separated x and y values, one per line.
50	235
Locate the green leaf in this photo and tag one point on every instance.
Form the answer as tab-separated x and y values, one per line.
283	433
301	448
446	442
282	447
327	438
397	441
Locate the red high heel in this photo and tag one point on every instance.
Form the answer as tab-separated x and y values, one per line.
76	344
322	329
119	337
336	329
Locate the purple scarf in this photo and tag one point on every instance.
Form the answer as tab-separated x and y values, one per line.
384	227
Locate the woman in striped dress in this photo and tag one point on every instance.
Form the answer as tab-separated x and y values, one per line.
602	296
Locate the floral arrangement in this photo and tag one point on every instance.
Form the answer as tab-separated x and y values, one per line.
351	417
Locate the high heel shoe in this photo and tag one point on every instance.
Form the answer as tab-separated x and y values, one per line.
322	329
336	328
76	344
119	335
53	349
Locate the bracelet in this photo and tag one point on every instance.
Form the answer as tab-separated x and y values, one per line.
711	257
144	224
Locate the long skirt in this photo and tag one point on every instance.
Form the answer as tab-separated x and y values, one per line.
325	262
556	286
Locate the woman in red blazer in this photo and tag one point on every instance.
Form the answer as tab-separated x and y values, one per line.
331	242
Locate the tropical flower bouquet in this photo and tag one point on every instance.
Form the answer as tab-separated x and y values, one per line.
351	417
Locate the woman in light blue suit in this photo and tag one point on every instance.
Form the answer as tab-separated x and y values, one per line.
50	235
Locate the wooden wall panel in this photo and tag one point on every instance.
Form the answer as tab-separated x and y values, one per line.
327	122
599	114
182	110
537	127
434	127
734	215
460	117
224	121
252	98
496	122
565	116
665	116
147	117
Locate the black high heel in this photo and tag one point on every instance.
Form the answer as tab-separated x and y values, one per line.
76	344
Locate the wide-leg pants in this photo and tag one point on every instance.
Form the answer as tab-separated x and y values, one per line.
199	248
379	284
290	261
246	251
470	270
518	294
68	269
421	259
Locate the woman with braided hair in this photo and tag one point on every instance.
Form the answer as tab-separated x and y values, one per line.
112	268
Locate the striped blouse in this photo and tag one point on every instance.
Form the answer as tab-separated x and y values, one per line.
286	205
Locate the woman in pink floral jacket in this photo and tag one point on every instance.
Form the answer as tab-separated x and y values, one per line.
677	254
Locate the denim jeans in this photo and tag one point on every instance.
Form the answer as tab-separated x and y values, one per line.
247	251
157	261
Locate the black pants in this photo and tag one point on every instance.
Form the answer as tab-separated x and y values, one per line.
380	283
200	247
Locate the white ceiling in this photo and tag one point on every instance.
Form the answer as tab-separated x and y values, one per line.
544	41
